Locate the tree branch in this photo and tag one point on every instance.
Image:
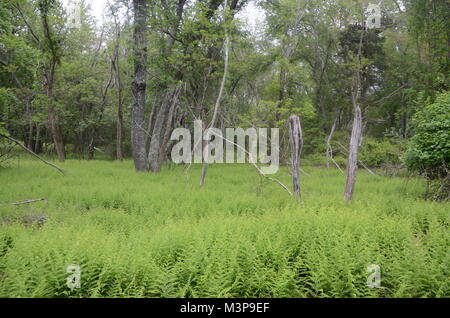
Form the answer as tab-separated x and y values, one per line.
32	153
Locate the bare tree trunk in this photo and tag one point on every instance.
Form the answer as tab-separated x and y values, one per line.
356	137
352	161
329	149
296	141
219	98
139	85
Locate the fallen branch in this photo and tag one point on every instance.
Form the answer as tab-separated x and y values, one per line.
27	201
256	166
32	153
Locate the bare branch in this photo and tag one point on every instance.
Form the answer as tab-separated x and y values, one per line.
32	153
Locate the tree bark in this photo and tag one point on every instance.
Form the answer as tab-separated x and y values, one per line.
160	133
352	161
296	141
168	128
139	85
170	99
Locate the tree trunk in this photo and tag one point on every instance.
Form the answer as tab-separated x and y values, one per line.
30	136
37	148
139	85
155	142
115	62
296	141
356	138
352	161
52	117
53	51
119	125
328	141
168	128
120	133
218	101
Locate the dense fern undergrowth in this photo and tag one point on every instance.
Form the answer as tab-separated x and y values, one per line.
146	235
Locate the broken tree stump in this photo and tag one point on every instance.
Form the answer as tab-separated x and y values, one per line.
296	142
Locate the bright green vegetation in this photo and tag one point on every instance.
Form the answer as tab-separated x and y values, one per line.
147	235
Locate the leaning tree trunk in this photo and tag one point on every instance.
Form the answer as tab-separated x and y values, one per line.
139	85
219	99
329	153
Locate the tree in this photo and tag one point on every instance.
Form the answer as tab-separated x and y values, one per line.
139	85
51	44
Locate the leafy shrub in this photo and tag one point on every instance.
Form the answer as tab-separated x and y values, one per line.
378	152
429	151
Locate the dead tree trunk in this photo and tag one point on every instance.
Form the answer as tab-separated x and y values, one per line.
352	161
139	85
296	142
219	98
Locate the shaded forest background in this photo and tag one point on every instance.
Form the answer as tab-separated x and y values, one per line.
74	88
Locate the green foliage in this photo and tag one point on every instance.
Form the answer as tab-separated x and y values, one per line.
429	150
140	235
379	152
